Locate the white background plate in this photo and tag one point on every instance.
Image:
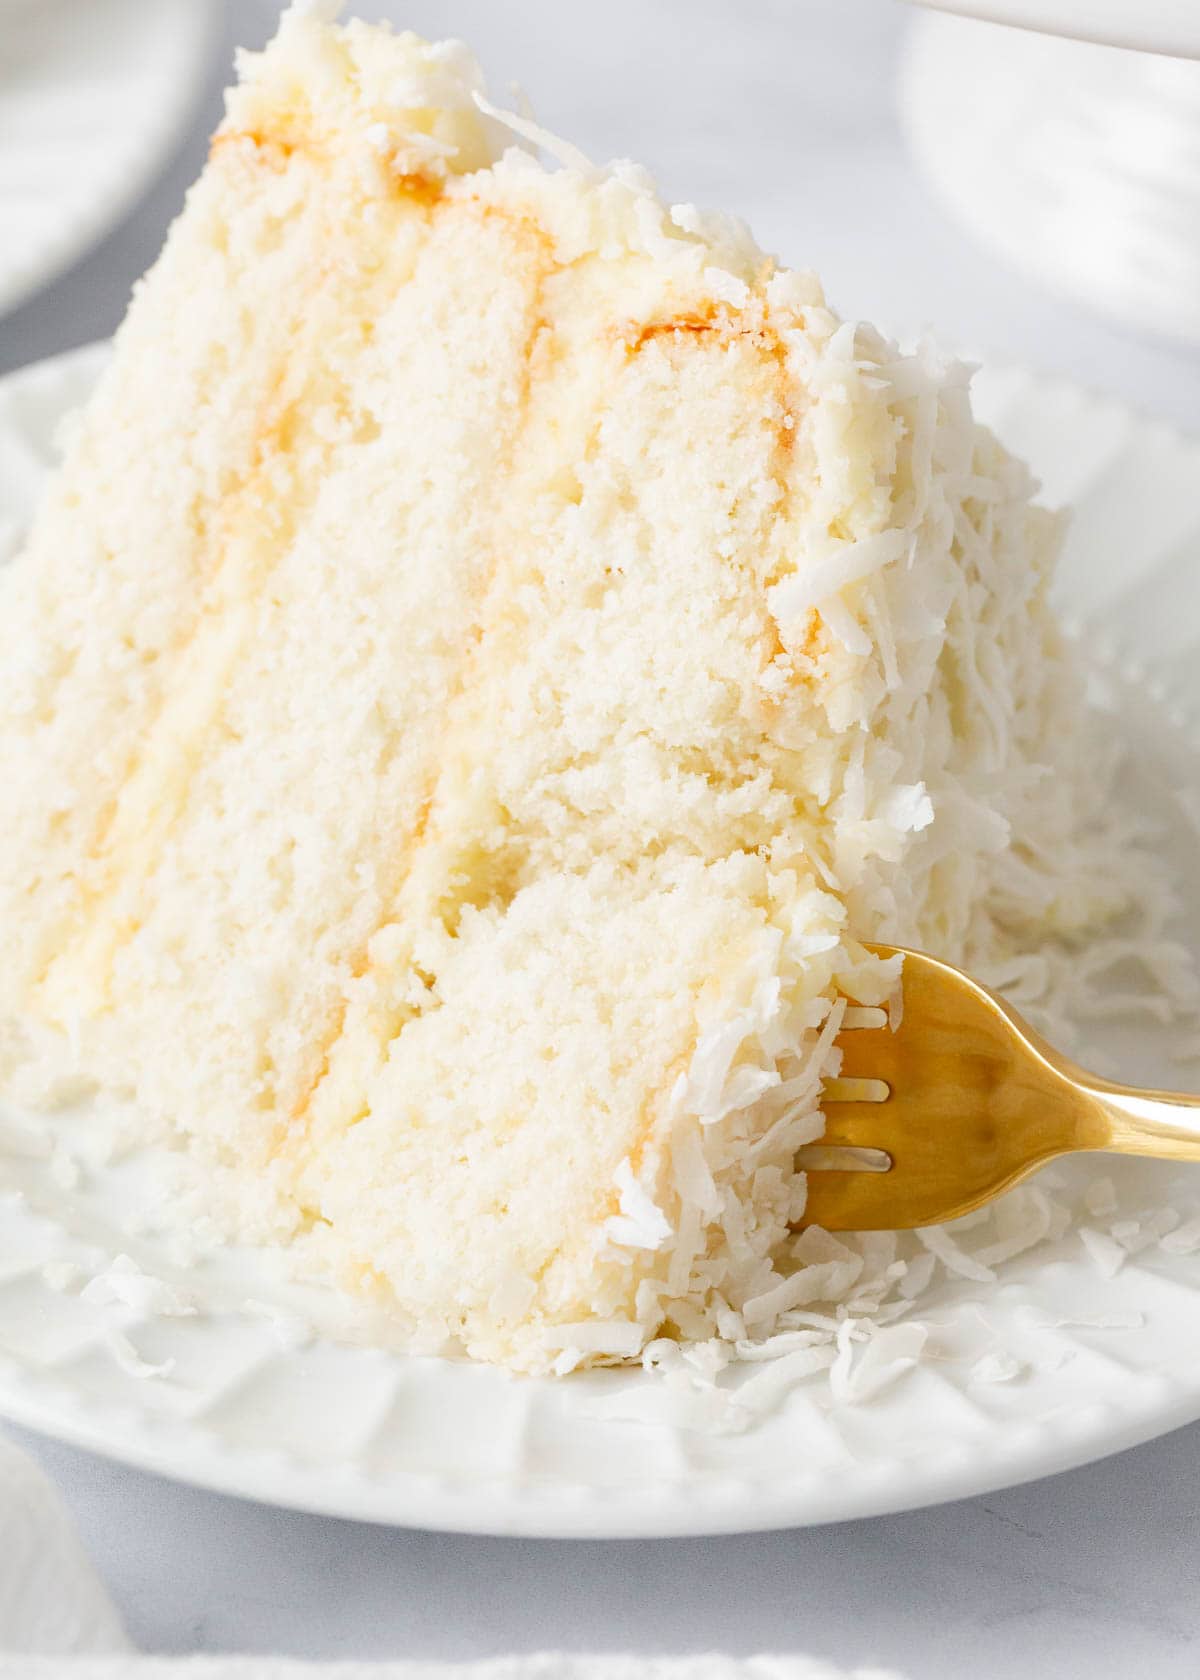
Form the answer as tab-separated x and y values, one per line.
358	1431
1166	26
1072	163
93	94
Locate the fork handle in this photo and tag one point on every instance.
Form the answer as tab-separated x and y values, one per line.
1161	1123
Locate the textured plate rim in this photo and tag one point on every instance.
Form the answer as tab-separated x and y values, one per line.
578	1511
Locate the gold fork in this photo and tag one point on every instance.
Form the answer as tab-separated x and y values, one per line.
964	1099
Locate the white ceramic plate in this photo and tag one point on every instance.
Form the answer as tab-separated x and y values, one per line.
93	94
1165	26
249	1404
1073	163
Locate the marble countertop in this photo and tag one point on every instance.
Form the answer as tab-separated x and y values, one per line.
782	110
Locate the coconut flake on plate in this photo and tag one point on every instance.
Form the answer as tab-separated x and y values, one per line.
131	1361
1184	1239
1106	1254
953	1257
125	1285
998	1367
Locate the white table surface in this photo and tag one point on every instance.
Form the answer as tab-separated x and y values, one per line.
782	110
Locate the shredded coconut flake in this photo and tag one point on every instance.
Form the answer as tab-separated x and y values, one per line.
888	1354
1184	1239
1107	1256
131	1361
124	1284
560	150
640	1224
942	1245
997	1367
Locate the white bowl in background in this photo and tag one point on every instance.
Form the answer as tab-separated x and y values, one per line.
1164	26
1077	164
93	96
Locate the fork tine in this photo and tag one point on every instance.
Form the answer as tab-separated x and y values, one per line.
843	1089
861	1019
975	1101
